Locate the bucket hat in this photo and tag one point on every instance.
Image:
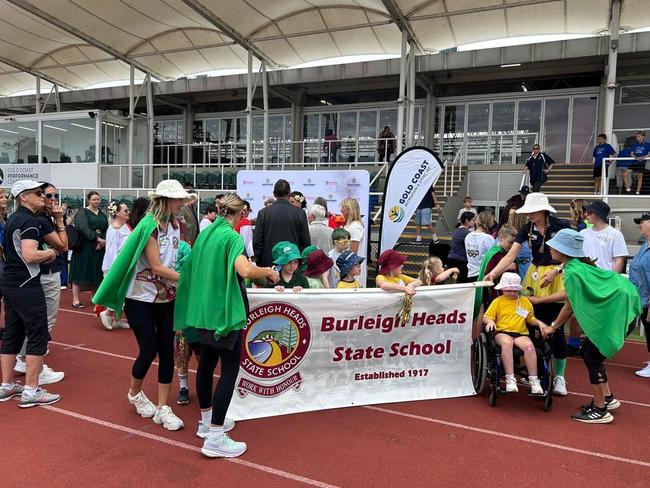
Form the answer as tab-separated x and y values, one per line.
568	242
509	281
285	251
171	189
318	263
535	202
346	261
390	260
304	255
600	208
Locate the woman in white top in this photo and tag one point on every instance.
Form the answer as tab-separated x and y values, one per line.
353	224
477	243
149	303
117	232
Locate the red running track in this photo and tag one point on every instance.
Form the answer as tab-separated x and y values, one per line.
93	436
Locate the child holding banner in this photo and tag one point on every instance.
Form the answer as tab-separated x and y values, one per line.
318	266
286	260
349	265
390	277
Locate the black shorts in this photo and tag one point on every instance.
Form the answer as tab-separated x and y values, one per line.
514	335
25	317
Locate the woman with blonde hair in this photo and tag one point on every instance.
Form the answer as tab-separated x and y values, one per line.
212	299
577	212
143	280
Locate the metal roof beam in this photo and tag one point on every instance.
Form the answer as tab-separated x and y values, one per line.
454	13
223	26
28	7
402	22
35	72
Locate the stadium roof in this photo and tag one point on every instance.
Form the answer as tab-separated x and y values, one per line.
80	44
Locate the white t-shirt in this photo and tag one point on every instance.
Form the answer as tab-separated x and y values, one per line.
151	288
476	244
334	274
205	222
603	246
115	238
357	233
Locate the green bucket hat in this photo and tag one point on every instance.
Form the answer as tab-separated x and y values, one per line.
285	251
305	254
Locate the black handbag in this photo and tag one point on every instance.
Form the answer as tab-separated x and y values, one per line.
75	237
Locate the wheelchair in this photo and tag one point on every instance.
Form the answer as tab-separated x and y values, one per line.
488	372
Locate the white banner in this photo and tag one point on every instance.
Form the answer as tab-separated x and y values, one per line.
411	175
324	349
10	173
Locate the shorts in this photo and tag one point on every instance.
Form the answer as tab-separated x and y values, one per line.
598	171
423	216
25	317
514	335
638	166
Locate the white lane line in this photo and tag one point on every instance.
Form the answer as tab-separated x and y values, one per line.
189	447
513	437
607	363
76	311
629	402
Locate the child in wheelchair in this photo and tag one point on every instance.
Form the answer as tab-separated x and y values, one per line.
508	316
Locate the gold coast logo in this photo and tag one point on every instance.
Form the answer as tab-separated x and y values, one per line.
396	214
274	344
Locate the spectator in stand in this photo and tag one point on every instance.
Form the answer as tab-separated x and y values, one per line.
319	232
457	257
477	243
423	215
513	203
208	217
385	144
601	151
538	165
467	207
623	171
331	146
640	276
640	152
577	212
279	222
245	229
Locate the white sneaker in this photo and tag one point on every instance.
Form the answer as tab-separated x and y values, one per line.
121	324
645	372
20	366
49	376
167	418
535	386
106	319
143	405
221	445
559	386
511	385
204	429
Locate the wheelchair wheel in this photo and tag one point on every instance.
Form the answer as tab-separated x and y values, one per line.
479	363
548	402
493	397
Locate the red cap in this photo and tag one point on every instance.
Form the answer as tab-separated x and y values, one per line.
390	260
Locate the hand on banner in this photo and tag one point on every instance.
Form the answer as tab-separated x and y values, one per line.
409	289
489	325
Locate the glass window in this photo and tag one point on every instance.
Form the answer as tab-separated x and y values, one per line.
367	133
583	128
528	125
311	126
241	129
348	136
387	117
113	150
478	124
556	120
170	131
212	130
67	141
502	140
18	143
328	123
311	136
454	130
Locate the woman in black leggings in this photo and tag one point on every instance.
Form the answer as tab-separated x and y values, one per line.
212	298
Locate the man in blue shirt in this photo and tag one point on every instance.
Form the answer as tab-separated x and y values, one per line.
639	152
602	150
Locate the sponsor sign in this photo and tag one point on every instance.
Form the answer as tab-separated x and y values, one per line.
412	174
300	353
10	173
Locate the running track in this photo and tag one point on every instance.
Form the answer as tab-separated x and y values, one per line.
93	437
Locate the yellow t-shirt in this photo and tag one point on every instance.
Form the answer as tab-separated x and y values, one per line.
503	311
345	284
398	280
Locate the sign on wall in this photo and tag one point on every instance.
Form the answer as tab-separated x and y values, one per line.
300	353
10	173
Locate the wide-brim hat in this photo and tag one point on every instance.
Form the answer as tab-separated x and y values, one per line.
346	261
21	186
305	254
509	281
171	189
600	208
568	242
644	216
390	260
284	252
318	263
535	202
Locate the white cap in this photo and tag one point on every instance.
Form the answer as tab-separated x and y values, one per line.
24	185
509	281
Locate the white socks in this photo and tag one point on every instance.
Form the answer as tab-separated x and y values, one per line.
206	416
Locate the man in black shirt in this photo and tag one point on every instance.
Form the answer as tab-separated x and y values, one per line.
25	308
538	165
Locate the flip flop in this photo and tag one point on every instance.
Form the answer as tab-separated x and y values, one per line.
78	305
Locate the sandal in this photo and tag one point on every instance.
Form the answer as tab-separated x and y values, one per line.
78	305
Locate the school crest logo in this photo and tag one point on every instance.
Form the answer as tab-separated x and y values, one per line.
396	214
274	344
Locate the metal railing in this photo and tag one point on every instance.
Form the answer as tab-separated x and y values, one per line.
606	173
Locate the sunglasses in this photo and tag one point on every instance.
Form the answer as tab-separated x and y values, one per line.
38	193
342	241
536	147
52	196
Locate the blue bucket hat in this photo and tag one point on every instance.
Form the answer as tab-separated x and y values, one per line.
346	261
568	242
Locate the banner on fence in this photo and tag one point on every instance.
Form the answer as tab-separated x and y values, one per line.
324	349
412	174
11	173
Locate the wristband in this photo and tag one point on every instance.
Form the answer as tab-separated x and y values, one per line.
554	326
60	229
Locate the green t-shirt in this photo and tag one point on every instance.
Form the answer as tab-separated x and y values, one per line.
298	279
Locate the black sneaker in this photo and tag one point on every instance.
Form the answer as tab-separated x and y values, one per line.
610	402
183	396
593	415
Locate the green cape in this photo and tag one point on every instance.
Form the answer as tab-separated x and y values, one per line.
478	294
604	304
208	294
114	286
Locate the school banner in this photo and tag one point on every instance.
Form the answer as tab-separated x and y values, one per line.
322	349
411	175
